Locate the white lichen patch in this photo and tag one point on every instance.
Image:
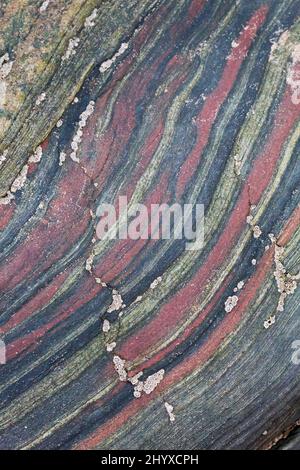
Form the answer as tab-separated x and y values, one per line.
138	389
149	385
78	135
139	386
71	49
156	282
237	164
239	286
89	267
3	157
5	68
138	299
231	303
62	158
170	410
36	157
98	280
276	46
40	99
119	365
272	237
257	232
153	381
286	282
250	219
254	262
117	302
20	180
6	199
89	263
108	63
59	123
111	346
135	379
106	326
44	6
90	21
293	75
269	322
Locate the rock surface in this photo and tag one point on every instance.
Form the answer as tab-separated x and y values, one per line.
128	344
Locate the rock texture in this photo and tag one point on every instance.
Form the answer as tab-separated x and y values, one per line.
141	344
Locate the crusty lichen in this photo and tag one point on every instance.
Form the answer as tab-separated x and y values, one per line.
71	49
120	368
5	68
78	134
90	20
231	303
292	78
149	385
286	282
117	302
44	6
36	156
19	182
170	410
108	63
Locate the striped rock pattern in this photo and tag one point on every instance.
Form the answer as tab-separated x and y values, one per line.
161	101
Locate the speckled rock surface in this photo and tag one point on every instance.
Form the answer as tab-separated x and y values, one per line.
162	102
